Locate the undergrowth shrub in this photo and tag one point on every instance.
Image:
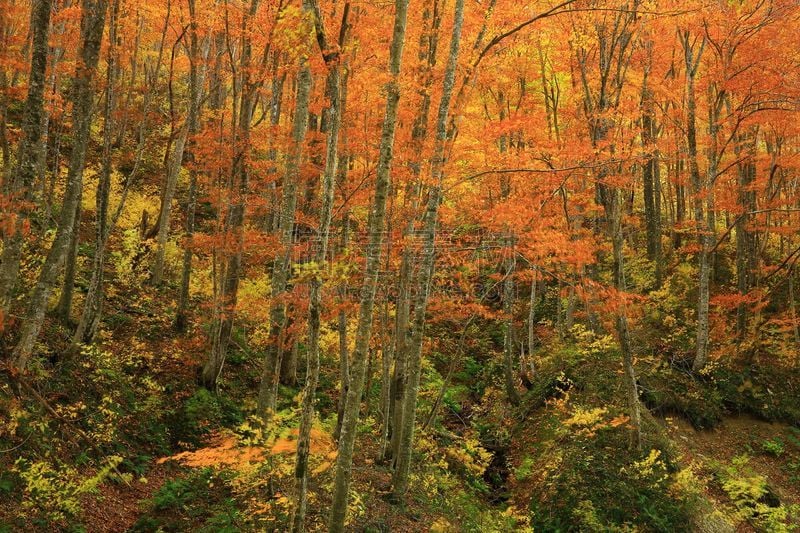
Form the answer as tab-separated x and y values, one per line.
752	498
665	390
52	490
587	477
774	447
203	413
769	392
200	501
593	484
453	489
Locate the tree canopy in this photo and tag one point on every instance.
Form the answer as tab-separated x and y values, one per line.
346	260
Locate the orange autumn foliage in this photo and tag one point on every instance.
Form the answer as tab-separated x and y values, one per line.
225	451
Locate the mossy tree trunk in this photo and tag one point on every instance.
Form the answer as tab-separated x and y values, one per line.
20	185
233	226
333	119
375	227
403	460
92	24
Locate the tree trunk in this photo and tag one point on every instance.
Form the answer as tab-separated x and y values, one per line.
400	477
344	458
222	326
402	334
289	364
175	165
692	61
387	358
341	319
650	173
429	43
268	388
333	120
92	23
92	307
613	63
275	107
614	213
793	308
508	327
197	75
745	238
21	186
57	54
531	370
64	306
344	364
5	145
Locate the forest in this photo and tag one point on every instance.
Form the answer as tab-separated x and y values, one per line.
399	266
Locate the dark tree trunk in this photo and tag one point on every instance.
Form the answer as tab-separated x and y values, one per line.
92	24
20	185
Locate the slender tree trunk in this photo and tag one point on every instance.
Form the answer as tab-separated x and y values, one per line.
222	327
175	165
545	92
429	44
268	388
402	338
344	458
275	107
344	349
92	307
745	238
92	23
650	172
270	373
614	58
368	386
333	120
615	222
52	85
197	76
532	327
400	477
289	364
20	186
5	145
341	319
387	358
386	347
181	316
134	70
508	326
680	206
793	308
692	61
559	311
64	307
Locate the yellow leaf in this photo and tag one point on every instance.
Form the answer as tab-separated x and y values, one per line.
322	467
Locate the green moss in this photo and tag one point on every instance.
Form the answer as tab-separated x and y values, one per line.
668	390
199	501
586	476
769	392
599	482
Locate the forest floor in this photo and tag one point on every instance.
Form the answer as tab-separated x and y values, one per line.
117	507
741	436
540	448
